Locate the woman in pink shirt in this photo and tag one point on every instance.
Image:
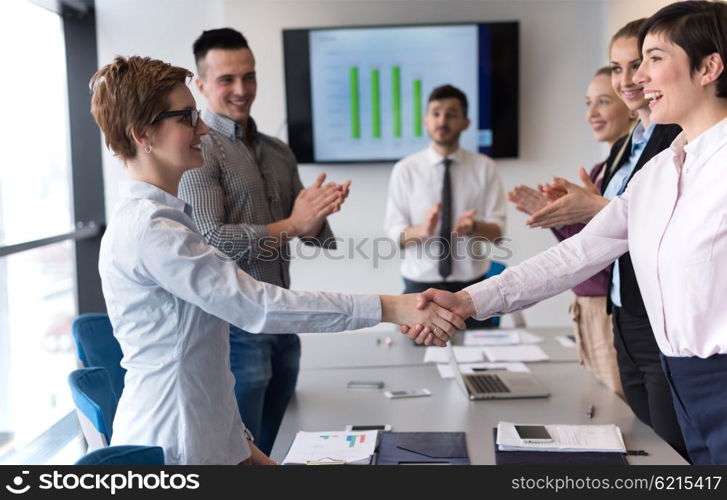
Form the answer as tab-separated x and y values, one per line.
645	387
610	119
672	218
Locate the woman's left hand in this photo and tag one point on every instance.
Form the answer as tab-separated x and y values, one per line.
257	457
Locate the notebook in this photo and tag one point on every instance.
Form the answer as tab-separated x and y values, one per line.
496	385
422	448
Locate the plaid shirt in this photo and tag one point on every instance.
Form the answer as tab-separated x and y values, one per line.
235	196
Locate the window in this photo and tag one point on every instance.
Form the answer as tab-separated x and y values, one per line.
39	305
35	188
51	210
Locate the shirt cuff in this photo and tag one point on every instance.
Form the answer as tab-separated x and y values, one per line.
487	298
257	235
366	311
324	239
394	232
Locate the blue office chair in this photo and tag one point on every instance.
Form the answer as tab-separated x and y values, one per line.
95	404
518	318
124	455
97	346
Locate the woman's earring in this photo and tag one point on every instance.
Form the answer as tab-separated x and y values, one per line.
147	149
633	115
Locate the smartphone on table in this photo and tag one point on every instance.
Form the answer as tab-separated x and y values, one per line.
407	393
533	434
365	384
382	427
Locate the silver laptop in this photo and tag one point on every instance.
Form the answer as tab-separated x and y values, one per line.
497	384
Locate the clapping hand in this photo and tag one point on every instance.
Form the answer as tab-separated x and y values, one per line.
527	199
465	224
431	219
579	204
316	202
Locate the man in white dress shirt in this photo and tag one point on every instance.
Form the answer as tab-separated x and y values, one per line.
445	203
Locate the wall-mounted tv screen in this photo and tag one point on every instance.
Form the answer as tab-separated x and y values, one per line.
359	94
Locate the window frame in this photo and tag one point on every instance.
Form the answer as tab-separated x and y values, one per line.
87	184
78	18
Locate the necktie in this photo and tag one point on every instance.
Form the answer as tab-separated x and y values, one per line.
445	232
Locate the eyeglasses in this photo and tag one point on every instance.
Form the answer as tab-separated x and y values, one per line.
191	116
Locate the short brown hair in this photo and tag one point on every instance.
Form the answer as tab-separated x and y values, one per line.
698	27
128	94
449	92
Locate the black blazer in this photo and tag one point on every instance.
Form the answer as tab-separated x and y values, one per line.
660	139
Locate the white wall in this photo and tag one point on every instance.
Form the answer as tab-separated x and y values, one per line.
620	12
562	43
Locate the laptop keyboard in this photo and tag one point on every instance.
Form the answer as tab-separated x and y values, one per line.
489	383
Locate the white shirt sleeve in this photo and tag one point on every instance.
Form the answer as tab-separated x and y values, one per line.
180	261
494	209
397	216
559	268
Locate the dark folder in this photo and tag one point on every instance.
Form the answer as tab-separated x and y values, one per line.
557	457
422	448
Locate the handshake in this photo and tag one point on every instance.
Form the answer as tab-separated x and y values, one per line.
430	317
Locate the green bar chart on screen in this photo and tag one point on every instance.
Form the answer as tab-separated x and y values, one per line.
396	99
417	106
354	103
375	104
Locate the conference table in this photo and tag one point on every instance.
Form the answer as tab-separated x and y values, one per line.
324	403
384	345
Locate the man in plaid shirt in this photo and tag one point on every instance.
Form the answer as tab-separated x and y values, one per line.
248	201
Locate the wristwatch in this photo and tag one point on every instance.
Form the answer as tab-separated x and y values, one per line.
249	435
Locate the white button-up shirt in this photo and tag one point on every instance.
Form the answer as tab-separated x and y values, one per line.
416	186
673	220
170	297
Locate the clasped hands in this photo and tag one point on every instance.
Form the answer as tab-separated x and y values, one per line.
316	202
559	203
463	226
430	317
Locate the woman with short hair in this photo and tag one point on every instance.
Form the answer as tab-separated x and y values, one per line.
170	295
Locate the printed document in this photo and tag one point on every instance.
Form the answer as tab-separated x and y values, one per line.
603	438
332	447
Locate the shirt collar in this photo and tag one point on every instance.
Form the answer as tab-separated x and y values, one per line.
145	191
228	127
641	135
704	145
437	159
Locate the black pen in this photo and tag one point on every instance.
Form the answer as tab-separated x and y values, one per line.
589	411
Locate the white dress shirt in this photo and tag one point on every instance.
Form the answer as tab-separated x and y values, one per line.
673	220
416	187
170	297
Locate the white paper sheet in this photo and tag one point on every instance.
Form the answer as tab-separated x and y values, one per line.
527	337
500	336
463	354
515	353
606	438
445	371
350	447
491	337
